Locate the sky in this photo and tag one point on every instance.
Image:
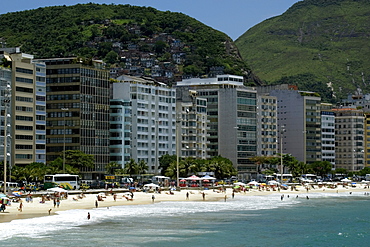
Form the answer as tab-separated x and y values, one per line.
233	17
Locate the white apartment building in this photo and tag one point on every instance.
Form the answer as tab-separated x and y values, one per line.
328	134
143	121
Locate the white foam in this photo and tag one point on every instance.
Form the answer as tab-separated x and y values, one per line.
39	227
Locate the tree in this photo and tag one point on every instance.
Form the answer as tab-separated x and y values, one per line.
79	159
165	162
111	57
131	167
321	168
142	167
112	167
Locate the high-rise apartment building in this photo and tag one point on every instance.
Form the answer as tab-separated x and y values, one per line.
78	111
232	119
328	133
192	123
143	121
267	126
349	139
26	110
300	117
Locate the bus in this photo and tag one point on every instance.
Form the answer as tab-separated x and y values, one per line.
67	181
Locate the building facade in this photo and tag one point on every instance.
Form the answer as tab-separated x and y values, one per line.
349	139
191	111
145	126
232	119
299	115
78	111
328	134
26	112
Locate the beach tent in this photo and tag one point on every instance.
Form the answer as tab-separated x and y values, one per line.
346	180
151	186
57	189
240	184
207	177
193	177
253	183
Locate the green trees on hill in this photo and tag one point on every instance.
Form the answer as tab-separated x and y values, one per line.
90	30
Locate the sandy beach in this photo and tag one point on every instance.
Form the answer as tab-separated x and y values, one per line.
37	209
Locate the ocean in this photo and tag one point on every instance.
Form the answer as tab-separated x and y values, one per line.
325	219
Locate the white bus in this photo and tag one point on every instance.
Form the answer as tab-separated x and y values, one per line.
67	181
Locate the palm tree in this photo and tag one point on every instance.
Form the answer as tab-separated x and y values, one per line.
131	167
142	167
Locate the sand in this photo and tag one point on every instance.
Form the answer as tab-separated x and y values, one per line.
37	209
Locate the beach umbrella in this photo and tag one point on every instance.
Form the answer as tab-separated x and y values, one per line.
151	185
17	193
193	177
240	184
253	183
57	189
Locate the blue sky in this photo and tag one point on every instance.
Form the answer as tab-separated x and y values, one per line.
233	17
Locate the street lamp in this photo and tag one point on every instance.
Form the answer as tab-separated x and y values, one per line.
64	142
282	130
7	95
178	128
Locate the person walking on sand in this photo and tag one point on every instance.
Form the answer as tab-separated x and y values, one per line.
20	206
187	195
153	198
204	196
96	204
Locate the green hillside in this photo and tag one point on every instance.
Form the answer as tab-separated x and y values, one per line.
314	44
111	32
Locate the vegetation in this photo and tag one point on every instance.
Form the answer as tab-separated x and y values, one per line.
319	45
221	167
102	31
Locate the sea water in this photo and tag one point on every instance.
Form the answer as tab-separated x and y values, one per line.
322	219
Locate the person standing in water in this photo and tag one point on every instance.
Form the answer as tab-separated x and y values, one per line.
88	215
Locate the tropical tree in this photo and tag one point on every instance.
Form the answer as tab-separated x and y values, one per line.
131	167
79	159
165	162
142	167
112	167
321	168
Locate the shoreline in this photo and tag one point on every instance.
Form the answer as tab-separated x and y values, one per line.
36	209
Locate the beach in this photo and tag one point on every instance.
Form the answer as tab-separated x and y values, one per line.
90	201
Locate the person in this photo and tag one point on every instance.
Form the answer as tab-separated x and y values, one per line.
20	207
204	196
2	207
153	198
50	211
233	194
88	215
114	197
58	202
187	195
225	197
55	202
96	204
282	197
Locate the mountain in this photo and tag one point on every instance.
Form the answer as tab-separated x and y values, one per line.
133	40
320	45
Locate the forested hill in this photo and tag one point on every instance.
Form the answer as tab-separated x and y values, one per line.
321	45
135	40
